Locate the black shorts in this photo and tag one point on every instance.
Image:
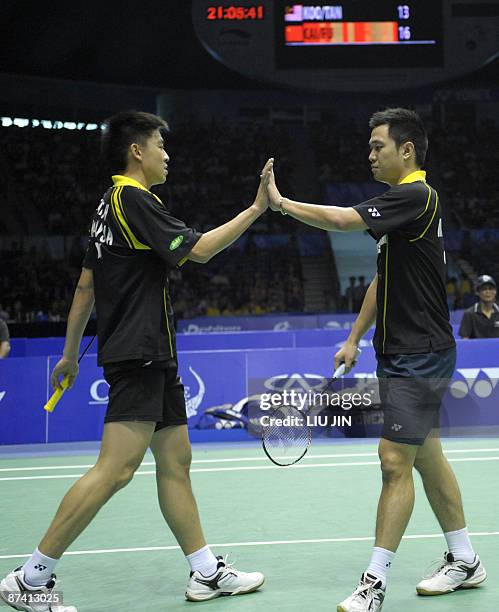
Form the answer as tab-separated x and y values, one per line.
411	390
145	391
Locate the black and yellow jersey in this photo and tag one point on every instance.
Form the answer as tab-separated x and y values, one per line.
134	242
412	312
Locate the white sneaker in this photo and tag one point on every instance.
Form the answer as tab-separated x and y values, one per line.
367	597
225	581
451	575
20	596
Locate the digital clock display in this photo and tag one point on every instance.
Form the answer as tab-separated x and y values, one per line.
352	34
235	13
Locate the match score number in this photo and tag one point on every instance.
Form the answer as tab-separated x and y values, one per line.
404	11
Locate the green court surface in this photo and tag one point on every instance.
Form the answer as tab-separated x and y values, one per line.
308	528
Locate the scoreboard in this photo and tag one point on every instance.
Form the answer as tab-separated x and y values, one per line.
382	33
349	45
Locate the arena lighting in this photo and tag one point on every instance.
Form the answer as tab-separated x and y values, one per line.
48	124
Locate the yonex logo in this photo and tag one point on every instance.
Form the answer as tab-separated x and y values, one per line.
482	381
40	567
176	242
374	212
396	427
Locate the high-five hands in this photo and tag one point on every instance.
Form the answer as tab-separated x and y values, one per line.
268	195
273	193
261	200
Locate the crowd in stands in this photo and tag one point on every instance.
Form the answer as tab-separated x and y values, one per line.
245	280
253	280
462	164
36	287
53	179
56	177
355	294
214	171
460	292
340	153
465	158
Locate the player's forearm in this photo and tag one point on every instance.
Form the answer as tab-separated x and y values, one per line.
330	218
367	314
79	314
221	237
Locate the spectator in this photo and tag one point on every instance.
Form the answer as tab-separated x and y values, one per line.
4	340
482	319
464	286
3	313
212	309
350	295
451	290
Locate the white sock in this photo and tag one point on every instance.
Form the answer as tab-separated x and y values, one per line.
203	560
381	561
459	544
38	569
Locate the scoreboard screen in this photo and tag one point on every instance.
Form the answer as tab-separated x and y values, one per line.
349	45
358	34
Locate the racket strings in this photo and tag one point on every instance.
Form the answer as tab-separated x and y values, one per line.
287	441
290	440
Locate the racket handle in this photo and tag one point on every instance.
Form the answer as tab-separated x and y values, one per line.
340	370
56	396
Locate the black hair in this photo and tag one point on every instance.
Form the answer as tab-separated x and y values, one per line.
404	125
122	130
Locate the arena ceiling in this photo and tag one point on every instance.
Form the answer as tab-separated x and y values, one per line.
148	43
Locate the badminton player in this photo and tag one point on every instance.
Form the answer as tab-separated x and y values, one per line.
134	242
413	342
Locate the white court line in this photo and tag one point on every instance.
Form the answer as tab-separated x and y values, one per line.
103	551
238	460
243	468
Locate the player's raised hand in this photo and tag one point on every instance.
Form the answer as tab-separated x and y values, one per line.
64	367
273	192
261	200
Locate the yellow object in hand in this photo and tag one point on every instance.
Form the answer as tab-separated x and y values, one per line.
56	395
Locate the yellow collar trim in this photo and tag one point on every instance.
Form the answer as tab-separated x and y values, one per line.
418	175
120	180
